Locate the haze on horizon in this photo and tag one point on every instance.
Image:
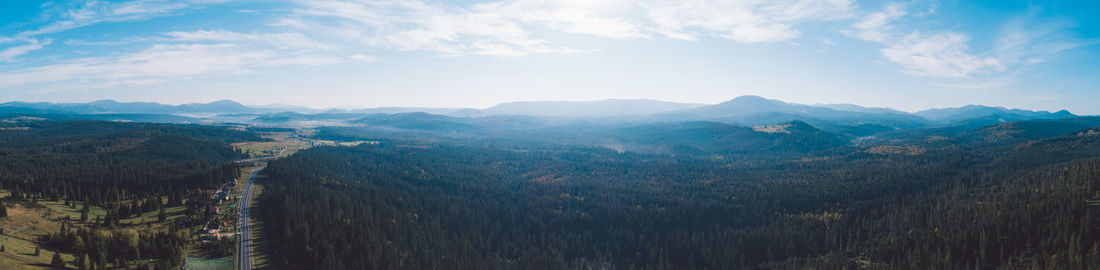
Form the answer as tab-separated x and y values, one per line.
353	54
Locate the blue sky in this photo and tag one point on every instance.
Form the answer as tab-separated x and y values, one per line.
909	55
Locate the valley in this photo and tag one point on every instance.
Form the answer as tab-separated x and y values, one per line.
864	188
549	134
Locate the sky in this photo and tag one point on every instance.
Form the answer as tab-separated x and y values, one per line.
907	55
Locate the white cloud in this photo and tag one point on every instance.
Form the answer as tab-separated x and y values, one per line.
945	54
11	53
941	54
89	12
329	31
153	65
603	18
876	25
938	55
511	27
362	58
417	26
743	21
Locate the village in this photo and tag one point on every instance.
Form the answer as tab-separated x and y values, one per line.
217	225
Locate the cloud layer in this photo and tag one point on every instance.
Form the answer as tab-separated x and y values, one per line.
512	27
322	32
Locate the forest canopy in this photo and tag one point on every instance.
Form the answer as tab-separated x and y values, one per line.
97	161
471	205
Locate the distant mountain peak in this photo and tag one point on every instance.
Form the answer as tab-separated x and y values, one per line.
751	102
749	99
225	101
972	111
222	102
104	101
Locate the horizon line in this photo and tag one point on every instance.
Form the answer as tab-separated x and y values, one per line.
329	108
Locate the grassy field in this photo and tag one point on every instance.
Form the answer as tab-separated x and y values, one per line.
150	218
342	143
73	213
223	263
281	139
22	228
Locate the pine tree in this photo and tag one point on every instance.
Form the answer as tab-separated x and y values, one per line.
135	209
84	212
3	210
162	215
57	260
3	248
81	261
37	251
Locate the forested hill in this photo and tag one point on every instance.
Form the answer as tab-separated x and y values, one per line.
97	161
402	205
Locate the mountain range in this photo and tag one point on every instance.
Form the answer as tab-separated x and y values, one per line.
115	107
744	110
747	126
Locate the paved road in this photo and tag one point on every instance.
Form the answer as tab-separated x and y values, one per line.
244	255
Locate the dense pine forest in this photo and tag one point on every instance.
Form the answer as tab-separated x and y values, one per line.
458	204
101	162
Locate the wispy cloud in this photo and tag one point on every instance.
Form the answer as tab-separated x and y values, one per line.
91	12
320	32
417	26
9	54
1023	40
877	26
743	21
169	56
511	27
156	64
947	54
941	54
